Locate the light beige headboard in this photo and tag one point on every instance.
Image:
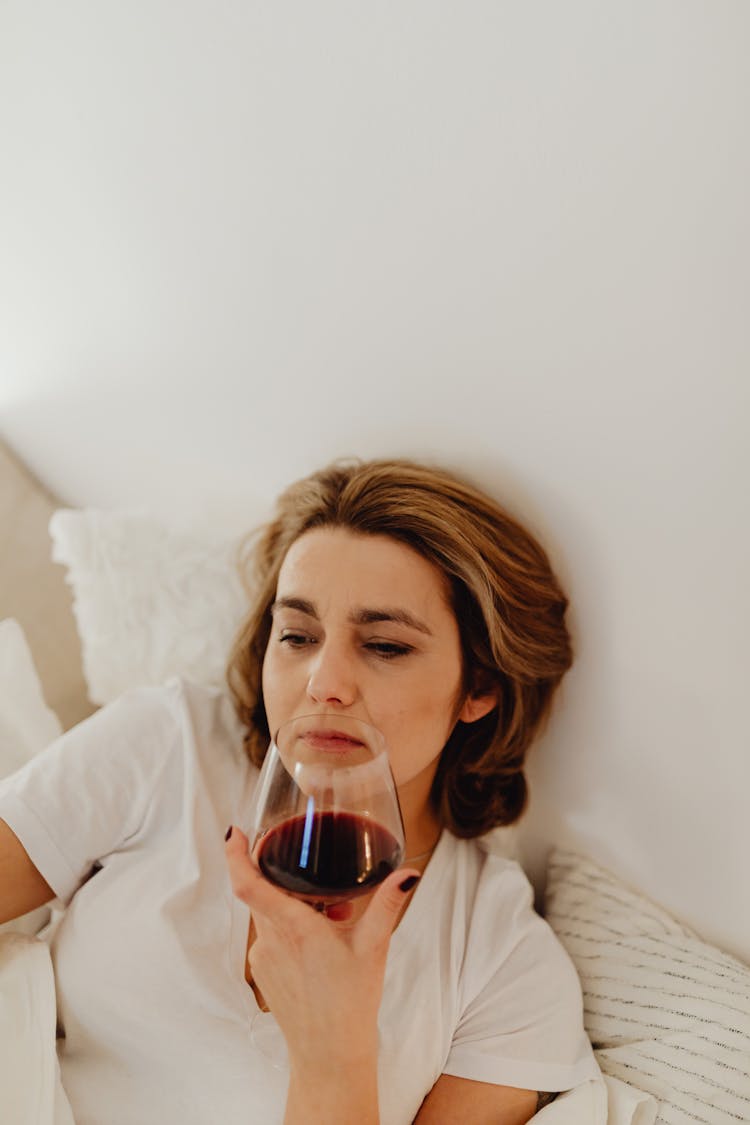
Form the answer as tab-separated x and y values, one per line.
34	592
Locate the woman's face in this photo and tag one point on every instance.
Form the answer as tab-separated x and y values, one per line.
362	627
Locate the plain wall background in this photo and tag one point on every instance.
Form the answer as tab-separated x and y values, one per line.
240	239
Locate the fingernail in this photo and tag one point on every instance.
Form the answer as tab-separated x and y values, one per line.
229	832
409	882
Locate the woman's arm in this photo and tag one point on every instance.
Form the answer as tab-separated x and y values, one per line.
22	888
324	986
350	1096
476	1103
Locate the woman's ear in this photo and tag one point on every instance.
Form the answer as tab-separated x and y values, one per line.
476	707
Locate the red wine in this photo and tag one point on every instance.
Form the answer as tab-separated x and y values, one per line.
329	855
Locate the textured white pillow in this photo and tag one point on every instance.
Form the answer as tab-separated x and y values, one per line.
665	1011
150	601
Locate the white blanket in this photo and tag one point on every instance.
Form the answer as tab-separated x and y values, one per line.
31	1091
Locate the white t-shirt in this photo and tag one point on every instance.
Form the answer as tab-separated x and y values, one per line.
125	818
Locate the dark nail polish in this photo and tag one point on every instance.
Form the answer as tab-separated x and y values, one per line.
229	832
409	882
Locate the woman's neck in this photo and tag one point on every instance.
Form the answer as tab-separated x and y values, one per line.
422	825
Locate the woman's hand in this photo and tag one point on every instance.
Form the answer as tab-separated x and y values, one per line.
322	979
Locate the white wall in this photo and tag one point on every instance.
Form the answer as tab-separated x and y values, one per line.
239	239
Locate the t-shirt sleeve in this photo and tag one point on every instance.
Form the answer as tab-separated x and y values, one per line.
88	793
521	1021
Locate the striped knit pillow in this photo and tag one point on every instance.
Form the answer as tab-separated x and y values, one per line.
665	1011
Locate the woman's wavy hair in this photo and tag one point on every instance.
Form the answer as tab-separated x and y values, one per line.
508	604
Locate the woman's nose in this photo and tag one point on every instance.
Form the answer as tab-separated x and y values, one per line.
331	677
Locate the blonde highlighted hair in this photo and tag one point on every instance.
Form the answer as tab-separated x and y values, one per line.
508	604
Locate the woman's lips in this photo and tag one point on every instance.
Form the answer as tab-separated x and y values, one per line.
332	741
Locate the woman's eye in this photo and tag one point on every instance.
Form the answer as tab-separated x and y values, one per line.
295	640
387	650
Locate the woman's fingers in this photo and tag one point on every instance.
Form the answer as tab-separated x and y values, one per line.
339	911
376	925
372	931
251	886
322	980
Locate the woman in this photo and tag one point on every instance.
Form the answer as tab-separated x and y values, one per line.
385	591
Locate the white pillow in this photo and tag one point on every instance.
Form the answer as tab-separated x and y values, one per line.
150	601
27	725
32	1091
665	1011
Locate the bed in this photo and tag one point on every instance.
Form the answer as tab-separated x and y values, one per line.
94	602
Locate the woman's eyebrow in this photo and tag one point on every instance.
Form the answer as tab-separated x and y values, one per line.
398	616
359	617
299	604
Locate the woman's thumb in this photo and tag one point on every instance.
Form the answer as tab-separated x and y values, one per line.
379	920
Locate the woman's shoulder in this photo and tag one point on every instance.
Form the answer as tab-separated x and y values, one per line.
155	722
488	867
201	717
212	717
171	701
489	891
200	698
501	925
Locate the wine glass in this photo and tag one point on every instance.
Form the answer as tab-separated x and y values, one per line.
326	823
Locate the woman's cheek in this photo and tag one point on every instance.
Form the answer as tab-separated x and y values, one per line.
273	682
